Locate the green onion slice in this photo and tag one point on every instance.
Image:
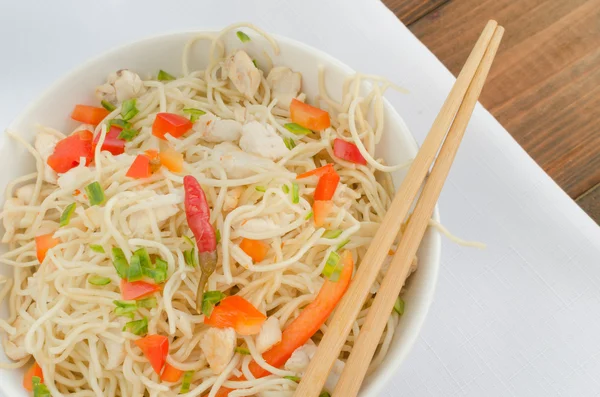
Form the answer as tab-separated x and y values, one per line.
289	143
190	257
119	123
128	109
97	248
293	378
95	193
189	240
255	64
218	236
65	217
260	189
159	273
39	389
332	233
137	327
309	215
164	76
324	393
297	129
295	193
135	269
209	300
242	350
98	280
125	308
120	262
187	381
148	303
194	113
285	189
399	306
342	244
242	36
107	105
332	267
128	134
142	254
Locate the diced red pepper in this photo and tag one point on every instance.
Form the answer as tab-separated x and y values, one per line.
43	243
155	348
321	209
317	171
171	374
34	370
237	313
140	168
69	151
89	114
137	289
111	143
326	186
256	249
172	124
309	116
348	151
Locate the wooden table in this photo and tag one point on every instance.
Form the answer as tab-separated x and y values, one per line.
544	86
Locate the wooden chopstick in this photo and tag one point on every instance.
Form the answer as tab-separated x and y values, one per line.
375	322
348	309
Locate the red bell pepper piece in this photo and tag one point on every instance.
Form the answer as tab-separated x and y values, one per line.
197	213
137	289
43	243
140	168
171	374
317	171
348	151
237	313
326	186
89	114
155	348
34	370
309	116
69	151
172	124
111	143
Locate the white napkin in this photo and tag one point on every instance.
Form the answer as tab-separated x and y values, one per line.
518	319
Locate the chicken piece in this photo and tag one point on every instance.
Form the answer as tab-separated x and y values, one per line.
218	345
301	357
262	140
120	86
285	85
139	222
232	198
45	143
236	162
243	74
270	334
76	178
215	129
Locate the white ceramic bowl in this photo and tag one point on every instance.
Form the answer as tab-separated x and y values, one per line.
146	57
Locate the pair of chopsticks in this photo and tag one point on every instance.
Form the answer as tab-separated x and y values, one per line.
447	130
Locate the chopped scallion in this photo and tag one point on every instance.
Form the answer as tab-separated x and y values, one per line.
164	76
289	143
128	109
95	193
128	134
119	123
255	64
342	244
295	193
242	36
194	113
242	350
97	248
159	273
399	306
186	382
292	378
39	389
309	215
190	257
297	129
98	280
332	233
135	269
285	189
324	393
107	105
120	262
218	236
137	327
125	308
332	267
260	189
65	217
209	300
189	240
142	254
148	303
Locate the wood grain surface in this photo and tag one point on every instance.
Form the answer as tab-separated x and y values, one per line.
545	84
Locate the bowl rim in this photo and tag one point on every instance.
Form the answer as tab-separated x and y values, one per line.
383	374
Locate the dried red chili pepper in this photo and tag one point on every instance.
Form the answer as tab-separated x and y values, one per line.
198	218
